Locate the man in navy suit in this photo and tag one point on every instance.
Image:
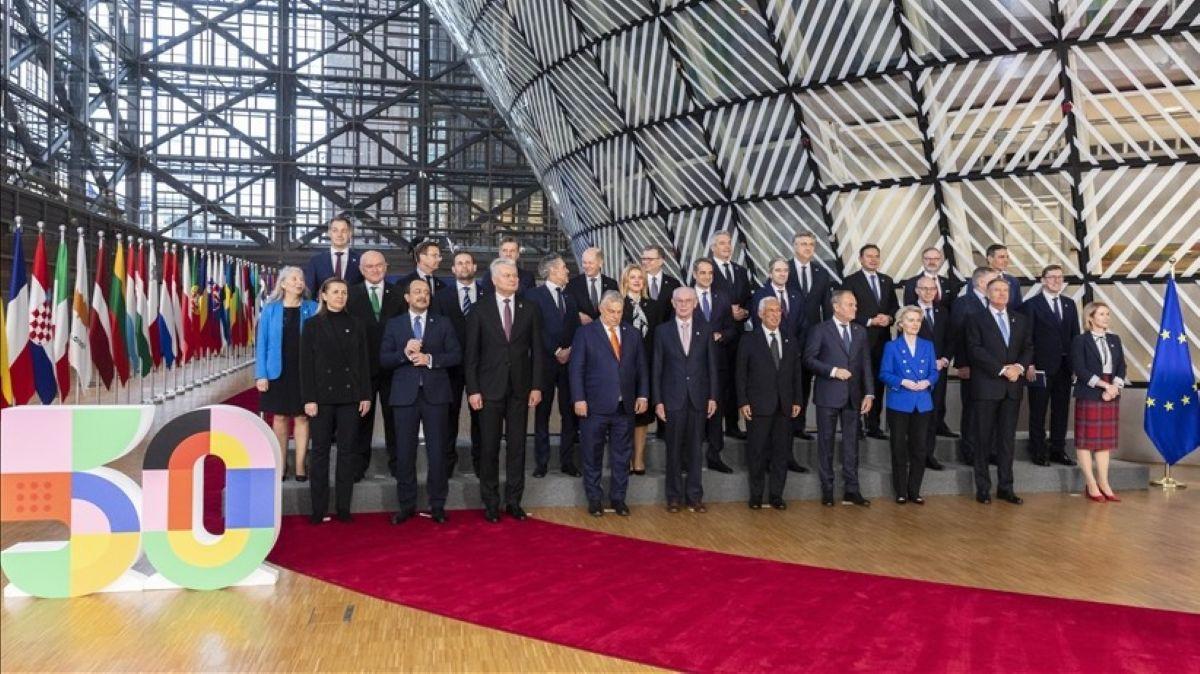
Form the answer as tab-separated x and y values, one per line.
814	284
659	284
560	319
428	257
1054	320
1001	347
455	301
610	384
510	249
587	288
935	328
683	385
838	353
767	383
339	260
965	307
714	308
421	347
734	280
875	295
999	259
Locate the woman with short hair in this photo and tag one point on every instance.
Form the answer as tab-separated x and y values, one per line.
1098	361
909	370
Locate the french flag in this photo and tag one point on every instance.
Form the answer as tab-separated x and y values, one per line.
16	327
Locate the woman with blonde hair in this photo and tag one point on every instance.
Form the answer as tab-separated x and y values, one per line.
644	314
277	363
909	370
1098	362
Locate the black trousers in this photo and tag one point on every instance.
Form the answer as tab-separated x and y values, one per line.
728	408
381	387
910	443
345	417
505	417
828	420
806	382
938	417
713	432
995	435
568	435
685	431
458	384
966	443
1056	395
768	448
873	416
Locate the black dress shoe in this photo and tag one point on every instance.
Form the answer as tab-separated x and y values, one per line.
697	508
1011	498
803	435
540	471
1040	461
983	498
595	510
827	500
719	466
283	477
492	515
673	507
637	472
736	434
316	519
878	435
945	432
516	512
438	515
403	516
932	463
345	517
854	498
992	460
1063	459
756	505
621	509
778	504
795	467
900	500
572	471
302	478
918	500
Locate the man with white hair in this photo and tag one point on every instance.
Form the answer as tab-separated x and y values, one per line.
734	281
587	288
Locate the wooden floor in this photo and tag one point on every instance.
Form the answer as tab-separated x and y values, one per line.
1140	552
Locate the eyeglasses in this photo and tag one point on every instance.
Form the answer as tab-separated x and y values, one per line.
650	259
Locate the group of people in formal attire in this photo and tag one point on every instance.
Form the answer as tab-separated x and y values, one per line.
696	361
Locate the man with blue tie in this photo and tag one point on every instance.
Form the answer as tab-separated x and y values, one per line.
716	311
838	353
339	260
683	384
420	346
560	319
455	301
610	385
1054	322
814	284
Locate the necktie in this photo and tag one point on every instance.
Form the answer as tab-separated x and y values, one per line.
705	306
466	302
337	266
929	315
775	354
508	319
375	307
1102	347
804	279
1057	310
654	287
846	337
418	331
685	336
782	302
728	273
562	307
875	287
595	295
1000	320
614	342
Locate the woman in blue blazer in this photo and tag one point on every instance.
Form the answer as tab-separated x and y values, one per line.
277	362
909	370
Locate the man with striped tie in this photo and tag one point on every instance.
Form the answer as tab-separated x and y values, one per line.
560	319
455	301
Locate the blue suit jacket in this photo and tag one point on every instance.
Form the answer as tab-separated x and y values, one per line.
679	379
268	344
900	364
1052	338
525	281
793	323
438	339
320	267
596	376
824	351
558	329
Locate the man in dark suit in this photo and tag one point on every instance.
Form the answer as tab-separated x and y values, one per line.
875	294
659	284
587	288
1001	347
610	384
510	249
1054	321
999	259
714	308
373	302
815	285
504	374
734	280
560	319
968	304
935	328
428	257
683	384
420	346
793	324
339	260
456	301
838	353
946	288
767	378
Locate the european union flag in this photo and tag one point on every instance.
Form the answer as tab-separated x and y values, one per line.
1172	417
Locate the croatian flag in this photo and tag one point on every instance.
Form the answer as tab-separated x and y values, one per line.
41	326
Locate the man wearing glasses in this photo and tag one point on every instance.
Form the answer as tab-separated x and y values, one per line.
945	289
659	284
1055	321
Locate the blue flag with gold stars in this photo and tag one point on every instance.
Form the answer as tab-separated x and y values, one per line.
1172	417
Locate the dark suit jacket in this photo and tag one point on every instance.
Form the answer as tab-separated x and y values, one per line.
598	379
824	351
498	367
403	281
577	288
758	383
937	333
1085	361
965	306
721	321
793	323
654	316
320	267
950	288
558	328
447	302
333	363
437	339
525	281
989	354
678	380
868	306
817	306
1014	292
358	305
668	286
1052	338
740	290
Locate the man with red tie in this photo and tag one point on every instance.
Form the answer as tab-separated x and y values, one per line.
339	260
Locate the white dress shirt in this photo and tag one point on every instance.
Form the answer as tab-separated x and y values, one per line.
412	317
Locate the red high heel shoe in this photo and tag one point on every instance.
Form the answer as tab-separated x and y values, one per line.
1098	498
1111	497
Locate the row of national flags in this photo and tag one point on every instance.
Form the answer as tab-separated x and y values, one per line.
127	319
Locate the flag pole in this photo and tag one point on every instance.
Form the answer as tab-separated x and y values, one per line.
1167	482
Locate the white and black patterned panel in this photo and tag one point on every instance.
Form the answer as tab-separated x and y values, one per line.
547	118
497	34
643	73
1085	19
560	200
1136	309
579	180
758	146
901	221
725	50
680	164
944	29
622	177
824	40
593	112
770	226
608	239
602	17
650	231
691	230
548	27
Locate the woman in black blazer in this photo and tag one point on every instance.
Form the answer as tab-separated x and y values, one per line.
644	314
335	385
1099	365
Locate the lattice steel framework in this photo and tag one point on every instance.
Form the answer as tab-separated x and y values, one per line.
1067	129
253	121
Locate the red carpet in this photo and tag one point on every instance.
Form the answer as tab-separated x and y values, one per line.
694	610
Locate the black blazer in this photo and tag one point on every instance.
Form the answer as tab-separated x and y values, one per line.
989	354
666	288
1085	362
577	288
320	267
950	288
358	305
742	287
678	380
498	367
937	333
793	321
758	383
817	301
333	361
965	307
824	351
654	316
1052	339
868	306
525	281
447	302
403	281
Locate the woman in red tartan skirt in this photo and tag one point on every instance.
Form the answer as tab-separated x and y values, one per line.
1099	365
